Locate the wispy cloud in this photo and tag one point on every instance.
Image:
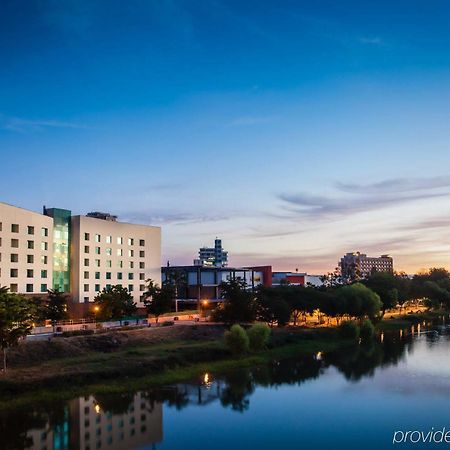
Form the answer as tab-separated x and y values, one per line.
371	40
363	198
22	125
170	218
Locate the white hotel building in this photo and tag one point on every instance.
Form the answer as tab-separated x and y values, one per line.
79	255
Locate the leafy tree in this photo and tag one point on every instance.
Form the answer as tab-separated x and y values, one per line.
55	306
239	303
349	330
158	300
258	336
16	320
272	308
359	301
332	279
177	278
367	331
114	303
236	340
385	285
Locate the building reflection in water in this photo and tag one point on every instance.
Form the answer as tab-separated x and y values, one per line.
102	422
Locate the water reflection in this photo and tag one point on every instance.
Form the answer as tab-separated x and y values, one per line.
133	420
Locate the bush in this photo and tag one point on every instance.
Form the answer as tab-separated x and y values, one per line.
258	335
77	333
236	340
349	330
168	323
367	330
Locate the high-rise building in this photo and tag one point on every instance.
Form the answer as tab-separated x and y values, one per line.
212	256
358	265
78	255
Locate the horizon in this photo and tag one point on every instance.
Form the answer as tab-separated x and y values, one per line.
296	133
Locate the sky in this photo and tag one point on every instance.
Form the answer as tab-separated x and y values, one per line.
296	131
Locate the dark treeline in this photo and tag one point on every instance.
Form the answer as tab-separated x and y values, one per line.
335	299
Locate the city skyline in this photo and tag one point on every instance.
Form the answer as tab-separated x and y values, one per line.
296	133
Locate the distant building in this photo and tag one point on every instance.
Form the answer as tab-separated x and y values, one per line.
358	265
295	279
212	256
195	283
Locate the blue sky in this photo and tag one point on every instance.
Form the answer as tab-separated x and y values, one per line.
296	131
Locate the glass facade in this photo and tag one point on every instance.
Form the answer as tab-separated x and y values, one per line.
61	247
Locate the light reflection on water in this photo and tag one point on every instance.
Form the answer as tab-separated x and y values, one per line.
352	398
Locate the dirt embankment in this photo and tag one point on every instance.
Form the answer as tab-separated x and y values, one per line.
33	353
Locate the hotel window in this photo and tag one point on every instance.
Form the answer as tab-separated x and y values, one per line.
86	236
1	226
142	265
13	273
119	241
130	288
43	274
30	259
141	254
130	241
86	288
120	264
14	228
13	287
108	287
108	275
86	275
142	287
43	287
141	242
97	263
30	229
86	299
131	276
131	265
97	275
109	239
97	288
97	238
142	276
130	253
109	251
108	263
86	262
29	288
30	244
119	252
14	257
30	273
44	246
119	275
44	259
97	250
44	232
86	249
15	243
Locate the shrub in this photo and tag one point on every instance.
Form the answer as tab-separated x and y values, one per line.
349	330
258	335
77	333
168	323
367	330
236	340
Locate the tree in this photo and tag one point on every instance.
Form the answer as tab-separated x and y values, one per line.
271	307
385	285
158	300
16	320
236	340
359	301
258	336
55	306
239	303
114	303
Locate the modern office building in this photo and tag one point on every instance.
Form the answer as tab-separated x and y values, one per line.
359	265
79	255
197	283
212	256
296	279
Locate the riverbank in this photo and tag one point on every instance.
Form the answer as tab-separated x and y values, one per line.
138	359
